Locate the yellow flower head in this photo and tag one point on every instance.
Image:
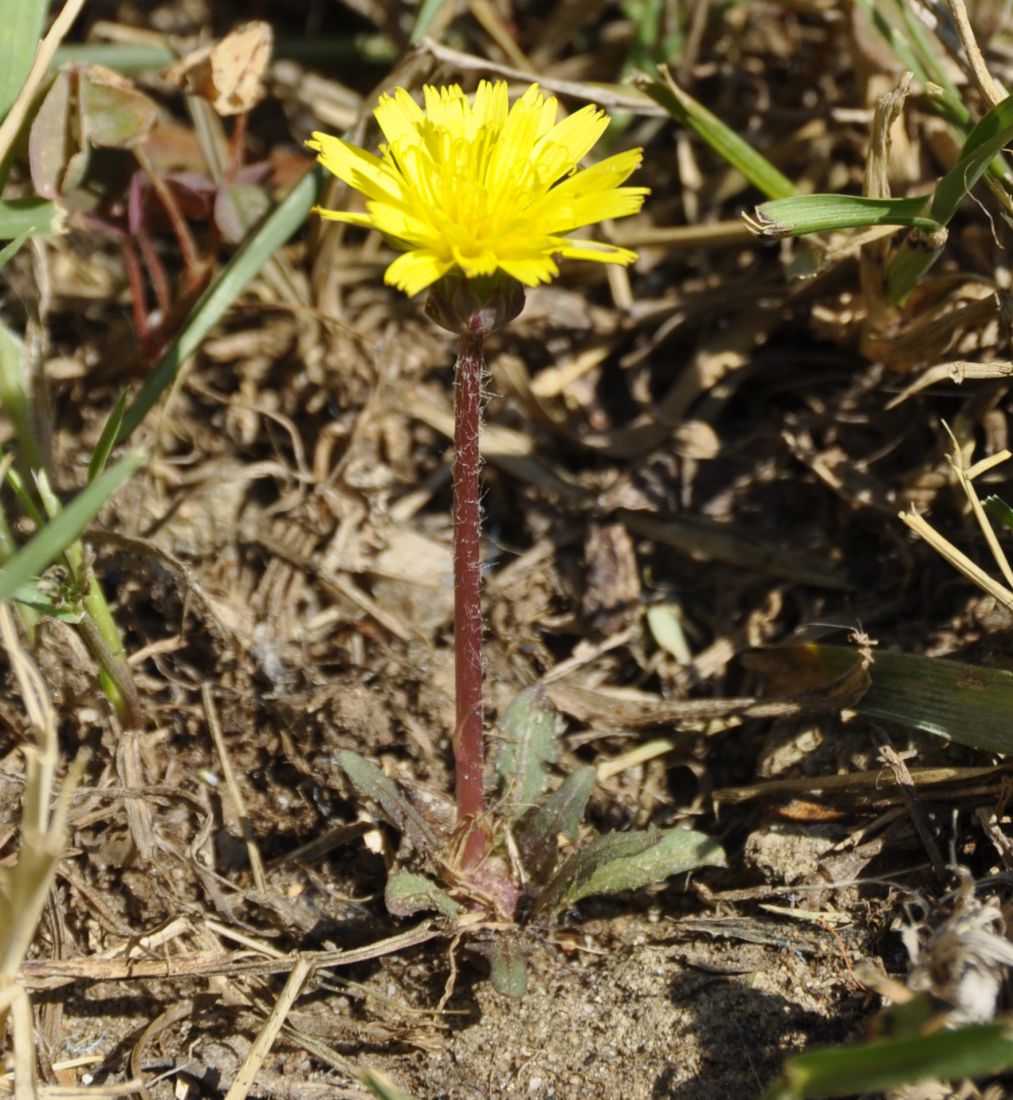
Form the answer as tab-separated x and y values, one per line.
483	186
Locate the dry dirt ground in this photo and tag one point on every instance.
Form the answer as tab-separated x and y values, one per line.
703	440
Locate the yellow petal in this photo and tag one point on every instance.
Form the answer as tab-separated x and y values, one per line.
531	270
566	144
414	271
399	117
344	216
355	167
596	250
401	223
492	104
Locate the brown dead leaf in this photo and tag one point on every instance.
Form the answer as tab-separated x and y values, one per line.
229	75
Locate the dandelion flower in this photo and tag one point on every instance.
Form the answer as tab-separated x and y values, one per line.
479	186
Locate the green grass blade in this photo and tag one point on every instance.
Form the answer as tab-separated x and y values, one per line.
996	508
107	440
889	1063
11	249
14	397
21	23
969	704
795	217
428	10
226	287
53	539
984	142
381	1086
724	141
130	58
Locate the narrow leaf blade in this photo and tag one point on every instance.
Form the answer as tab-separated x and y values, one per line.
370	781
45	547
873	1067
804	214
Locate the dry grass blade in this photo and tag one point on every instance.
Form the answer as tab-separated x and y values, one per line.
269	1032
25	887
965	476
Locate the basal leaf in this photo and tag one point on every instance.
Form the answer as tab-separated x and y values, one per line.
538	832
627	861
407	893
528	743
370	782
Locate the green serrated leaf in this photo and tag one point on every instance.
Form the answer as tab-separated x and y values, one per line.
890	1063
528	744
370	782
537	833
627	861
407	893
54	537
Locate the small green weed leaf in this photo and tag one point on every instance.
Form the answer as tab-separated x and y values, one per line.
54	537
724	141
57	156
969	704
407	893
107	440
114	113
528	732
996	508
537	833
31	595
889	1063
20	30
21	218
627	861
371	783
508	967
803	214
380	1085
238	207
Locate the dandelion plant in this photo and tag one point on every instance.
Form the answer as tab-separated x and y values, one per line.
479	197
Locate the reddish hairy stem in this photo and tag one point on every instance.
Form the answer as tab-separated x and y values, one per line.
469	756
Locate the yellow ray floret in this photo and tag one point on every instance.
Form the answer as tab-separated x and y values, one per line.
479	185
